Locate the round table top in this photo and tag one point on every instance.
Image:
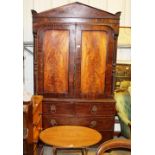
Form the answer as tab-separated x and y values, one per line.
70	136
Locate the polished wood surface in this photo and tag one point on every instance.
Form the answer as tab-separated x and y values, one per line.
56	51
98	123
109	51
114	144
93	63
77	108
72	10
74	66
94	113
70	136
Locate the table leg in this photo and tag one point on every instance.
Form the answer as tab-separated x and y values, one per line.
84	151
54	150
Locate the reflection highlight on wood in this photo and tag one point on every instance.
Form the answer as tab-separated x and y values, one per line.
93	64
70	136
56	51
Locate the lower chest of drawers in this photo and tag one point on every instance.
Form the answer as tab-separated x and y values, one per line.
96	115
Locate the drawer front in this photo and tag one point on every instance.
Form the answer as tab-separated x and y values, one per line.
59	108
95	109
49	121
106	135
98	123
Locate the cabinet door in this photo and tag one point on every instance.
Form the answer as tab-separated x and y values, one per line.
94	58
56	61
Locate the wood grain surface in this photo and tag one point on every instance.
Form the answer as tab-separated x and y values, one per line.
93	63
74	66
56	51
70	136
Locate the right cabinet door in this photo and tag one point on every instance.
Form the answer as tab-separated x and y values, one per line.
94	58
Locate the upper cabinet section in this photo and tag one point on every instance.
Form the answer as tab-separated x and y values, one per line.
76	10
75	51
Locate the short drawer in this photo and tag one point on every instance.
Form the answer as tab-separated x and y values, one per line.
49	121
95	109
59	108
98	123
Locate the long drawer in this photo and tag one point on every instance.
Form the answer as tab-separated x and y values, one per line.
79	108
98	123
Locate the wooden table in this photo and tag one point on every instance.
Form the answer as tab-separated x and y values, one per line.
70	137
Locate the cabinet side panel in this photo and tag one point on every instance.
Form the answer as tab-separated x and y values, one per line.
56	52
93	63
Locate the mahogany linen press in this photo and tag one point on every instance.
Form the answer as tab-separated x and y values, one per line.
75	48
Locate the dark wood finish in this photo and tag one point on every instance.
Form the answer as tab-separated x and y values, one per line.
94	109
54	66
56	51
59	108
74	66
72	11
98	123
103	62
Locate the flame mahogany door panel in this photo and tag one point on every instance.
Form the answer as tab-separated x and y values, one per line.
56	61
94	49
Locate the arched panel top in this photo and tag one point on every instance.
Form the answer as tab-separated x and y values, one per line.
76	10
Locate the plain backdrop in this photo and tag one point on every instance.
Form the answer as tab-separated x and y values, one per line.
143	77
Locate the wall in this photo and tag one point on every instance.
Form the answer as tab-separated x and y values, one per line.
112	6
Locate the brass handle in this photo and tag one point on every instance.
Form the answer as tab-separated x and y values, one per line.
93	124
94	109
53	122
53	108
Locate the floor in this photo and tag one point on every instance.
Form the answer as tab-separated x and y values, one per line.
91	151
48	151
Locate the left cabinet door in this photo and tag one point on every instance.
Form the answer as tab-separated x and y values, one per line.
55	60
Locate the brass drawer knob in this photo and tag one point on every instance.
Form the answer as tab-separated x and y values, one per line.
53	108
53	122
94	109
93	124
